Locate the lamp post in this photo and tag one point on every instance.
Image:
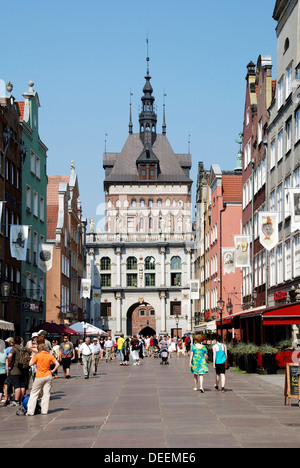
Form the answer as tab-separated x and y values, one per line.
85	317
177	322
103	322
221	304
5	293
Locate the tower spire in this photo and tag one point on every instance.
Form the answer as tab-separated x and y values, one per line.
164	126
130	116
148	117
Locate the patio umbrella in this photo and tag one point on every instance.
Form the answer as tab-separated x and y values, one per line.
91	330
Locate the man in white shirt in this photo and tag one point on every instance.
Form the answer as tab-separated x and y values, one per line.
87	353
108	345
96	349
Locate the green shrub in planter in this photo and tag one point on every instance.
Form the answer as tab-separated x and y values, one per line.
251	351
269	358
240	352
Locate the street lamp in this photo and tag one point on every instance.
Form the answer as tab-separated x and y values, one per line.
229	307
103	322
221	304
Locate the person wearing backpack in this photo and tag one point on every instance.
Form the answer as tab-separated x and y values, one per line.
43	379
219	361
18	361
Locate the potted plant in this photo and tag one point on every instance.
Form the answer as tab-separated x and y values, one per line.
251	351
240	356
269	358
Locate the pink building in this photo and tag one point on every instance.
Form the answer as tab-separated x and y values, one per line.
226	217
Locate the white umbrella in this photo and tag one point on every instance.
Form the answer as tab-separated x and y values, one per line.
91	330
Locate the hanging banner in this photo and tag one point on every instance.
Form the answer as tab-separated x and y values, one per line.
18	241
97	296
268	229
228	260
194	289
85	290
295	209
242	251
185	297
45	257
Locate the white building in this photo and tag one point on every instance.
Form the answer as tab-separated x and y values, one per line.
143	261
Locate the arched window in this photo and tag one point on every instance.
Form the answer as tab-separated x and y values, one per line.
131	263
286	45
150	223
142	202
133	202
176	263
105	264
149	263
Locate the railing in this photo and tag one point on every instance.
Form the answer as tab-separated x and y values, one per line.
100	238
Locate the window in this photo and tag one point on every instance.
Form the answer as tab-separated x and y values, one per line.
259	132
297	136
150	263
131	279
142	202
288	262
133	202
175	279
105	280
176	263
280	203
38	167
150	202
280	145
289	135
272	268
289	79
175	308
131	263
142	312
296	256
32	162
28	198
42	209
105	264
35	204
149	279
287	185
280	92
273	154
159	202
279	265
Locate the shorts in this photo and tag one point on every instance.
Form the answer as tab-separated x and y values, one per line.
220	368
19	381
66	363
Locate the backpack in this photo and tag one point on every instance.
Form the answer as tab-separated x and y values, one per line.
23	408
135	345
23	359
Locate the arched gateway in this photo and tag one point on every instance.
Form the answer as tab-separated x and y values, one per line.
141	319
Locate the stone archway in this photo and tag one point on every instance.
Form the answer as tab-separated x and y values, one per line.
140	316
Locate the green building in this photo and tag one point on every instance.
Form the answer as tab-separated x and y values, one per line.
34	211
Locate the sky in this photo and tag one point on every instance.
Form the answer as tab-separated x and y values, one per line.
86	57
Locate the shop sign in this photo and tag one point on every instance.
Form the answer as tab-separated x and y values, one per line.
280	295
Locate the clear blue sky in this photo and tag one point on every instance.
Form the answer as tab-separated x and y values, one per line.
85	56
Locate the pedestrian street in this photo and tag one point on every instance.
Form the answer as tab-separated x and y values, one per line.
154	406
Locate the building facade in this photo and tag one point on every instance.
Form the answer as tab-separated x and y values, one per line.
142	263
11	194
34	210
65	231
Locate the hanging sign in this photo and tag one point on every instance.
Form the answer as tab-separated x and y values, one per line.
228	260
45	257
242	251
85	290
18	241
268	229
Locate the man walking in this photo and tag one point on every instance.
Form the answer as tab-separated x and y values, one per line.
96	349
87	353
66	354
108	345
120	343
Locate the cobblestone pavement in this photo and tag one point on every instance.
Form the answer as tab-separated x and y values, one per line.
154	406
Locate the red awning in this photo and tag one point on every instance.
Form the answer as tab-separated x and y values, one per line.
286	315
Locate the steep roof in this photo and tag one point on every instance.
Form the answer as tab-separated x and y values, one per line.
232	187
124	168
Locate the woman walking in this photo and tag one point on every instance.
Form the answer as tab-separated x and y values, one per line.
198	364
43	379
